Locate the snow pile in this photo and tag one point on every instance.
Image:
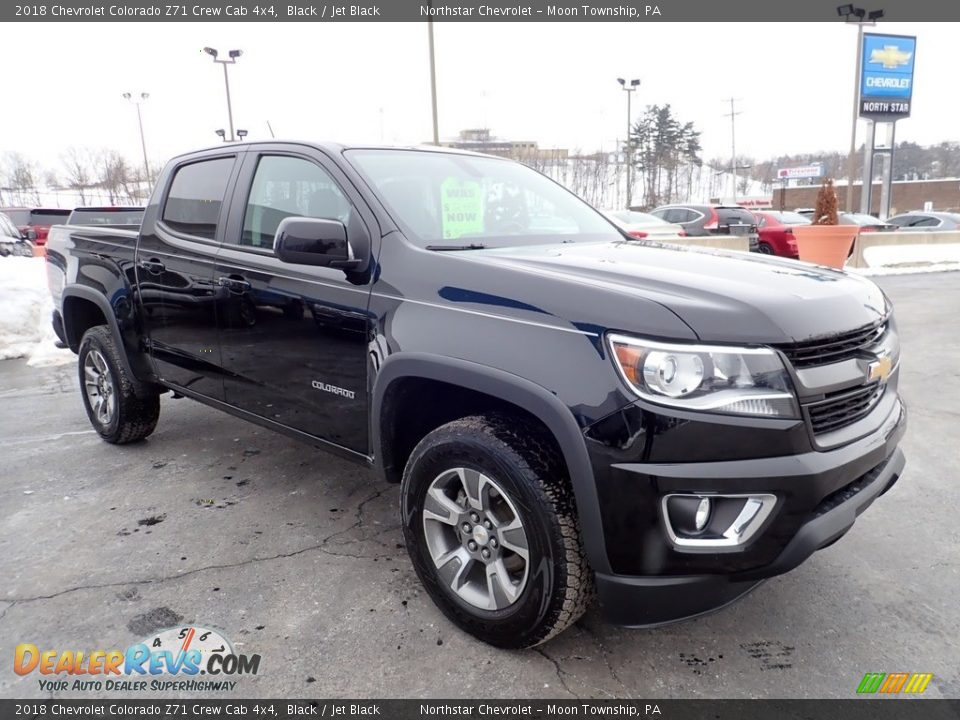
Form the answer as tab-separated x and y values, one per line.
906	259
25	311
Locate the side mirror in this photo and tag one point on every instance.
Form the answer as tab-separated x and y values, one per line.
312	241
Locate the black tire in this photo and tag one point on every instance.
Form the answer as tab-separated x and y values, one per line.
765	249
136	408
526	465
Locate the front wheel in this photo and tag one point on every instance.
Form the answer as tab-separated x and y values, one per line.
110	396
490	525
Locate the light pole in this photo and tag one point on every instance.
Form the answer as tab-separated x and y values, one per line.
433	78
856	15
143	143
628	143
233	55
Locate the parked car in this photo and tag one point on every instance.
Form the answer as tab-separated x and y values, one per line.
560	408
924	220
867	223
644	225
12	240
776	231
130	217
37	220
703	220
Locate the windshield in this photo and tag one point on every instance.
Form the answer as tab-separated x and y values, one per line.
461	199
48	217
859	219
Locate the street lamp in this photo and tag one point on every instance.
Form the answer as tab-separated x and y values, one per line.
241	134
143	143
233	55
222	133
855	15
629	88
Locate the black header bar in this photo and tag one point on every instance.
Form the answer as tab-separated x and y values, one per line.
466	11
539	709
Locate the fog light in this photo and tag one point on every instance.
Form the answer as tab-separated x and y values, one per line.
703	514
705	523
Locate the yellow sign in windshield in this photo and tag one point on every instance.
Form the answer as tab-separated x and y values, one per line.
462	207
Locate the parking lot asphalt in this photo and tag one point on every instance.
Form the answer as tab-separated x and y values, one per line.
298	556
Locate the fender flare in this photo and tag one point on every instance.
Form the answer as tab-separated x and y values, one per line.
533	398
98	299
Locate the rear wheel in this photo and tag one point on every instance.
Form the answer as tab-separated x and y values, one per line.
120	409
491	528
766	249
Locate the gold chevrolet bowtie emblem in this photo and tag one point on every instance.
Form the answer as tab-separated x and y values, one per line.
891	57
879	369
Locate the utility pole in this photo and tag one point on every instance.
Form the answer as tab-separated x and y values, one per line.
733	141
433	77
143	143
628	143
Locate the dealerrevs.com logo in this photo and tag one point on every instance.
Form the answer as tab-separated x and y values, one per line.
179	659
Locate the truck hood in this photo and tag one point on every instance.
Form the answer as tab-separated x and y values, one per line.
723	296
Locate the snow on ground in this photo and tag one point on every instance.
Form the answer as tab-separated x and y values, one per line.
25	310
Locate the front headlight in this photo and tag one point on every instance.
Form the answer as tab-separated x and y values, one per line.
708	378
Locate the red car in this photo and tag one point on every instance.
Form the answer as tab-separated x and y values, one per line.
776	232
37	220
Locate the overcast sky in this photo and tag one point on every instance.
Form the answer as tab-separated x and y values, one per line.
550	82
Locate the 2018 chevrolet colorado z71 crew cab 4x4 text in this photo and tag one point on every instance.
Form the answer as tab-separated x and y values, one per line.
566	408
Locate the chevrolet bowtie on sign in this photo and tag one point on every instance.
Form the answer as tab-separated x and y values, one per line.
886	76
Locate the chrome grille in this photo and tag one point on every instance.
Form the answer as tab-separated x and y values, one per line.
843	408
834	348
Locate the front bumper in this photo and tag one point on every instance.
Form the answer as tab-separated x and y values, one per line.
820	494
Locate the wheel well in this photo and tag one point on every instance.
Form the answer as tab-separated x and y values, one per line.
413	407
79	315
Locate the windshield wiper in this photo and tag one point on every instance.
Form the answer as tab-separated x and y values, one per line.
449	248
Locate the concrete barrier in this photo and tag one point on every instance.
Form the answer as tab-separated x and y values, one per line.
905	249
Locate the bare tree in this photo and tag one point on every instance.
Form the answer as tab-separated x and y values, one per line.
113	174
20	179
77	172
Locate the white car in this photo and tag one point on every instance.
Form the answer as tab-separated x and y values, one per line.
12	241
645	226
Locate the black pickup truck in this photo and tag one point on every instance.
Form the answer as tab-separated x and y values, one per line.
567	409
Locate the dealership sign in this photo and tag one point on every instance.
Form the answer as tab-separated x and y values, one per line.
804	171
886	77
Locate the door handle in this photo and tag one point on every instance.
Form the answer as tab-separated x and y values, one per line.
232	284
153	266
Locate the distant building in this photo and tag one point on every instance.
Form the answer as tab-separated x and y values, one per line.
907	195
482	141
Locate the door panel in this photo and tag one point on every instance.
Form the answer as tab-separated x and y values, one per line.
175	277
293	338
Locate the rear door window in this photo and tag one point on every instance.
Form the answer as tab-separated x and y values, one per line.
195	197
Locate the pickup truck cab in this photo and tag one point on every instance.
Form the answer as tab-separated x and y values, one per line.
565	408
